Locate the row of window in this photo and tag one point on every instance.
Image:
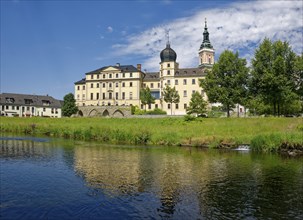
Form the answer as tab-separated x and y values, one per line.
111	75
7	107
168	106
109	95
110	85
193	82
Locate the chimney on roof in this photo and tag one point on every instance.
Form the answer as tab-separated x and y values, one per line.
139	67
118	64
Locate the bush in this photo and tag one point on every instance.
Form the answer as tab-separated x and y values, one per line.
156	111
189	118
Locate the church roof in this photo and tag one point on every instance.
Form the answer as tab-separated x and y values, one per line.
168	54
82	81
122	68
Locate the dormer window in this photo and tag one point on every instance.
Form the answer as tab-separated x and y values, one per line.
45	102
9	100
28	101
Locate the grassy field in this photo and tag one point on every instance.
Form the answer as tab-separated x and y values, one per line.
211	132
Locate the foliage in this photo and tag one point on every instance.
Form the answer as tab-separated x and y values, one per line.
189	118
145	97
197	105
273	79
227	82
69	105
171	96
156	111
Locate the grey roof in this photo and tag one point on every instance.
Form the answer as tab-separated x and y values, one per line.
36	100
82	81
122	68
152	76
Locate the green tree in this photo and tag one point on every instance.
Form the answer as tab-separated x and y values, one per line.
69	105
171	96
227	81
197	105
298	75
146	97
273	75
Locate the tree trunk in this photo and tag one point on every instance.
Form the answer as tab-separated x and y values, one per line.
238	113
171	108
275	108
228	115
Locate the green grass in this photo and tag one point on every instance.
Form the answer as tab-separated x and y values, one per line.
213	132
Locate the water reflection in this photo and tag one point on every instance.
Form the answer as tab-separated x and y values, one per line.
151	182
224	185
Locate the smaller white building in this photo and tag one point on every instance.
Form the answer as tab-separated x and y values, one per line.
20	105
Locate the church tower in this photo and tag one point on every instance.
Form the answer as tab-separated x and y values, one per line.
206	51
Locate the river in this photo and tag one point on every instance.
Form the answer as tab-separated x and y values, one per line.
58	179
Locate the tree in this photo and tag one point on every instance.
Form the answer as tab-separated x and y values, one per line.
171	96
273	77
197	105
298	74
69	105
227	81
146	97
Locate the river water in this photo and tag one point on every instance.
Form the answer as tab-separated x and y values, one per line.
57	179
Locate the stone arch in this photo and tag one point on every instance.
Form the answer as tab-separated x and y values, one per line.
93	113
118	113
80	113
105	113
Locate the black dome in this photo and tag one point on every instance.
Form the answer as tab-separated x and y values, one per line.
168	54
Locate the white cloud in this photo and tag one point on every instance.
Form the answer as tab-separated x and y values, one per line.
240	26
110	29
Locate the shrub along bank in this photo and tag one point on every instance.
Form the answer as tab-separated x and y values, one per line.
263	134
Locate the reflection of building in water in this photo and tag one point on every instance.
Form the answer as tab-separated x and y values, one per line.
18	147
115	171
120	171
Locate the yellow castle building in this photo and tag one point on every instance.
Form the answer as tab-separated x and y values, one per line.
119	85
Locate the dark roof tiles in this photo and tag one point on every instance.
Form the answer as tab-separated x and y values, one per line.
34	100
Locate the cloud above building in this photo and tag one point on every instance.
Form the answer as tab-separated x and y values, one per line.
241	26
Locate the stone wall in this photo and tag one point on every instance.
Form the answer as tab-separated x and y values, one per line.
104	111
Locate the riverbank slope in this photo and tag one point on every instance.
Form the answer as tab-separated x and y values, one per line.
269	134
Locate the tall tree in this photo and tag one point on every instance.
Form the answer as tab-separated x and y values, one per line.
146	97
273	77
69	105
227	81
197	105
171	96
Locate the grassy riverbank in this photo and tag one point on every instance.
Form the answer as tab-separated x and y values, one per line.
213	132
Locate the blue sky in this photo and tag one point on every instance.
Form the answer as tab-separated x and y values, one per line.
46	46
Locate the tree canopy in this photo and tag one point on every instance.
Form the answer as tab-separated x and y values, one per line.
274	79
227	81
171	96
197	105
146	97
69	105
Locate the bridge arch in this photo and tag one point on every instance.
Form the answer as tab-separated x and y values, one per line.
118	113
80	113
93	113
105	113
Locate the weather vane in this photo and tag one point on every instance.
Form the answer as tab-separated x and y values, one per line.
167	35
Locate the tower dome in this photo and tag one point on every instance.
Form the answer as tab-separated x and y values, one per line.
168	54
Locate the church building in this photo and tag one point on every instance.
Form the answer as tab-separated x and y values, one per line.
119	85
